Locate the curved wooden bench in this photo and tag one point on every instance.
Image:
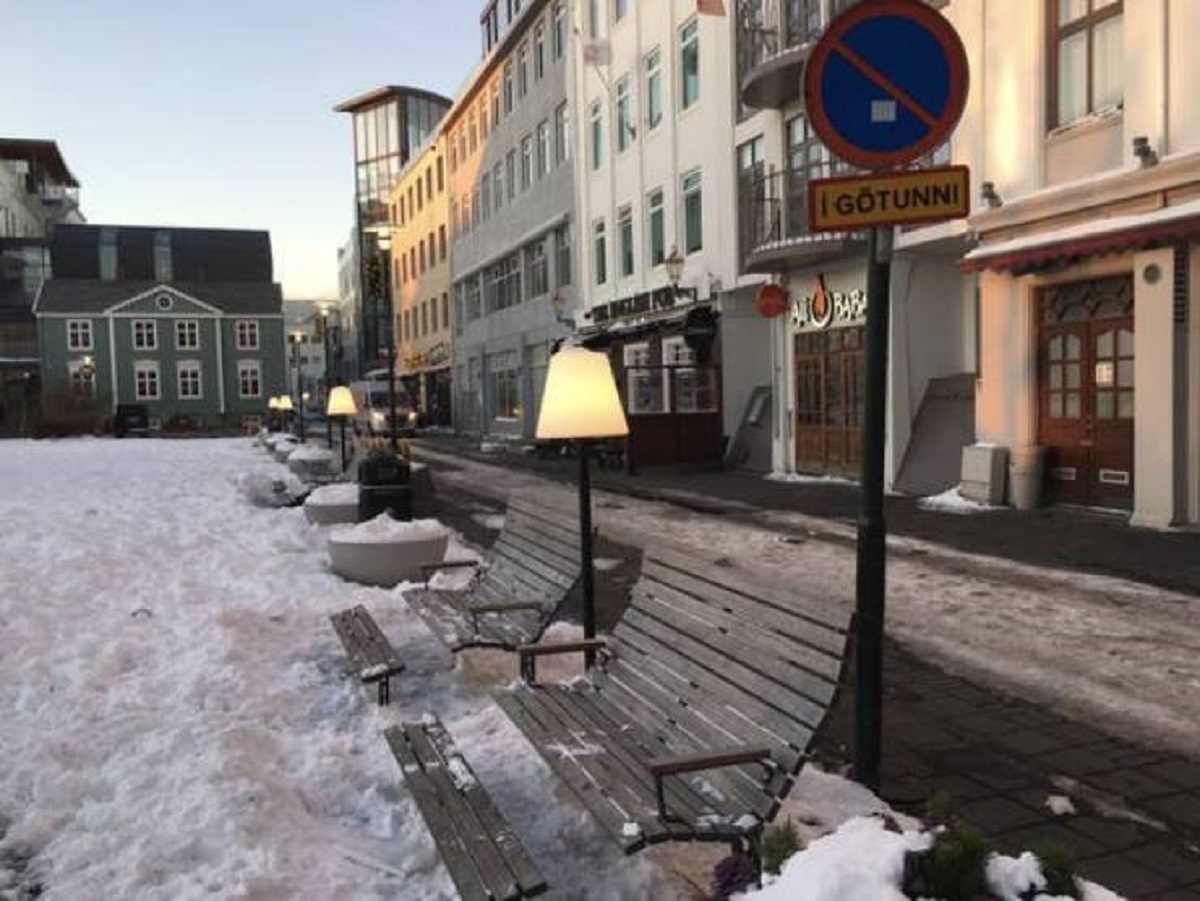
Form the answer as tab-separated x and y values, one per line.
711	693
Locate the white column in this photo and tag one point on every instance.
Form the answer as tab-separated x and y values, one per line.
1154	391
1006	399
220	364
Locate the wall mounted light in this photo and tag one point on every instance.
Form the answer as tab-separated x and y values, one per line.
1143	152
990	196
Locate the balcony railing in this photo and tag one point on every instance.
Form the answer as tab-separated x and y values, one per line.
773	216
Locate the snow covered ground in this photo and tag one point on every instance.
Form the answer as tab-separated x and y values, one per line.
175	721
1103	649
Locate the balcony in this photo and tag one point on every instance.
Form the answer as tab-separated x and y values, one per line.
773	223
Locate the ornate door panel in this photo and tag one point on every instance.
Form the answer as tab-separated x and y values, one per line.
1086	391
829	400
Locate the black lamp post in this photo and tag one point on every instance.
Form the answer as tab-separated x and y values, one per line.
382	289
296	338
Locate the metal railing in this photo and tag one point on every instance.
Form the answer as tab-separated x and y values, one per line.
767	28
773	208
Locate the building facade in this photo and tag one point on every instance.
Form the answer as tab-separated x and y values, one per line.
349	306
37	192
390	124
509	157
661	281
1088	262
188	322
419	211
309	330
817	347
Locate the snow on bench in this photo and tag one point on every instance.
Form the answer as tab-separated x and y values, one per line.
371	654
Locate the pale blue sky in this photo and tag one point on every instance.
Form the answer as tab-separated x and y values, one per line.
219	112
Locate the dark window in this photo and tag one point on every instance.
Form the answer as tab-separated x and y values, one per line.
1085	58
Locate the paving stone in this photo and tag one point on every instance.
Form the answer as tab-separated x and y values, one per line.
960	788
1178	866
1181	809
1179	894
1118	873
1056	835
988	726
1076	762
1133	785
1113	834
1033	741
994	815
1178	772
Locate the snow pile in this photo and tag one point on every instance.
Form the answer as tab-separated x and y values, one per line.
271	486
385	530
864	861
340	494
308	453
952	501
800	478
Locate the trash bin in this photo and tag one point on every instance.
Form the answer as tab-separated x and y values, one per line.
384	487
1026	466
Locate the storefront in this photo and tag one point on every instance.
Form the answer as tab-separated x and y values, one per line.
427	379
1089	358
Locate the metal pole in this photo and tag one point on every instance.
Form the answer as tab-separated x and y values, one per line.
325	342
342	431
585	545
872	531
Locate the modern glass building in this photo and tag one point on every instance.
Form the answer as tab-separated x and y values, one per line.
389	124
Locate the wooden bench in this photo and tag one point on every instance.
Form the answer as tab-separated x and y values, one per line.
371	654
483	855
703	710
527	574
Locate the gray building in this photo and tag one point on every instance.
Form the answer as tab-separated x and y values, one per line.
512	206
346	331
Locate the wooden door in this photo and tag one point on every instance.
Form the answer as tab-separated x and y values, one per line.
1086	392
830	387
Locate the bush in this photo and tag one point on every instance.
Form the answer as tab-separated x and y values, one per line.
779	842
954	869
1058	866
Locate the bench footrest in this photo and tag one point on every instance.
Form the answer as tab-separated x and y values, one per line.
482	854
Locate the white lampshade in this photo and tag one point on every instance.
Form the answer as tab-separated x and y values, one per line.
284	403
341	402
273	402
580	399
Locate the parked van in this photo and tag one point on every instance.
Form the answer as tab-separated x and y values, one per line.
371	398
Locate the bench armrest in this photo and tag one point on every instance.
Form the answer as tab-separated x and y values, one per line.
448	564
530	652
502	606
701	760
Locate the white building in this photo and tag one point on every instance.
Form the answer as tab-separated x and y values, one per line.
654	113
305	323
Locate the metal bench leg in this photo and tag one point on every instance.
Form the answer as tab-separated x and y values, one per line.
384	692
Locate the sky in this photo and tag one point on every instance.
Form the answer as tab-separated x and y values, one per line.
219	113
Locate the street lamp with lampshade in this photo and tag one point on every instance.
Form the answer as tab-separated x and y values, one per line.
283	404
273	412
341	405
580	403
674	264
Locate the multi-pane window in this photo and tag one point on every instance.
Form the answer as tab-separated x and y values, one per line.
620	8
625	240
625	130
510	174
1086	64
526	163
508	88
441	243
691	388
600	251
445	310
543	148
421	255
693	213
485	193
597	141
249	378
498	184
425	318
472	298
476	208
643	381
82	374
504	385
656	227
247	334
473	143
562	135
145	334
537	269
539	52
79	334
559	30
689	63
145	380
654	92
187	380
502	284
495	105
187	334
562	255
523	71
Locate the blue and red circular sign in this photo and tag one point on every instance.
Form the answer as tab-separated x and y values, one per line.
886	83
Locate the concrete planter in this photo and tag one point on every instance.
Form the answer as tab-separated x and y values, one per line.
313	464
333	505
386	552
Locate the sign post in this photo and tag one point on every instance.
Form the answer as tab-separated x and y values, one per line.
885	85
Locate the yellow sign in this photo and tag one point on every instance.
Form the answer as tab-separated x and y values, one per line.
894	198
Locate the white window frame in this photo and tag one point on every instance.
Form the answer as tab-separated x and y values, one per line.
148	367
596	136
244	367
75	376
189	366
678	358
652	66
686	191
638	356
689	35
139	329
626	243
626	133
182	328
661	209
77	330
247	334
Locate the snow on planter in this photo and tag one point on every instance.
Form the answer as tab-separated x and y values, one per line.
309	454
384	551
334	495
864	861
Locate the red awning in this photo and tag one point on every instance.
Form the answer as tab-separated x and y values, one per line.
1100	237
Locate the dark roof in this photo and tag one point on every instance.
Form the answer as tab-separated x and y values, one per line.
70	295
197	254
44	155
371	98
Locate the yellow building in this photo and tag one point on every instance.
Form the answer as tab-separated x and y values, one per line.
419	210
